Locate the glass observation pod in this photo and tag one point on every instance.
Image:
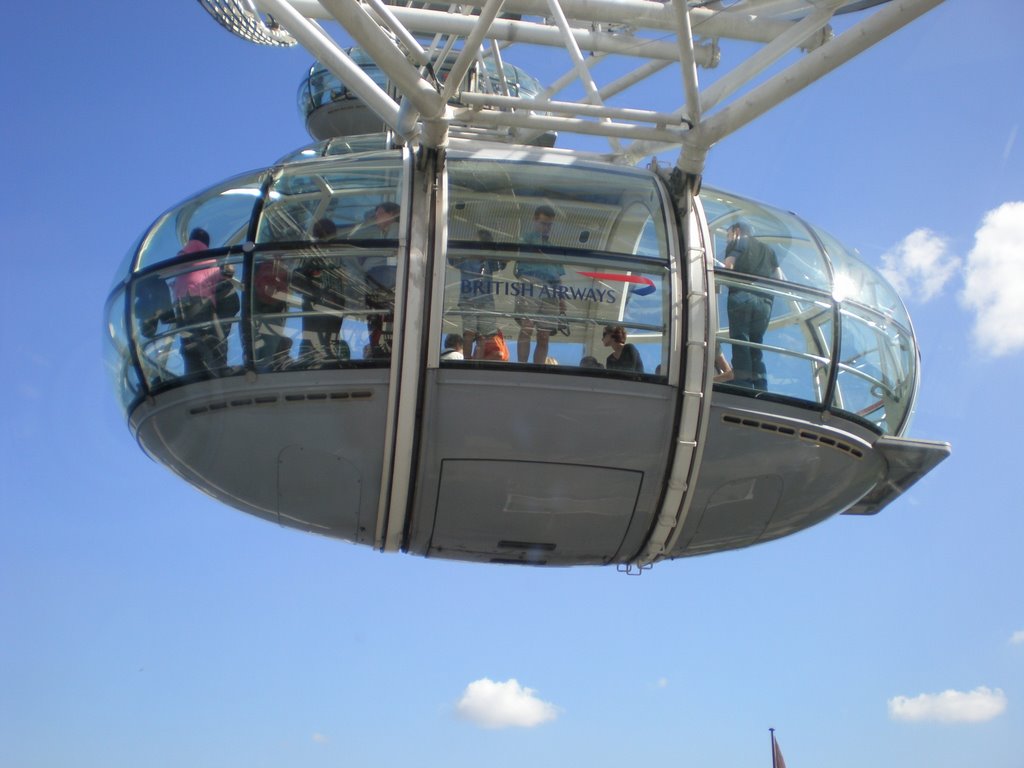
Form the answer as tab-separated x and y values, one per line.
331	109
286	341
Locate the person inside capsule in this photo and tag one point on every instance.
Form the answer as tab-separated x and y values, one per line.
205	301
749	310
271	287
381	272
624	356
320	283
476	297
540	297
453	347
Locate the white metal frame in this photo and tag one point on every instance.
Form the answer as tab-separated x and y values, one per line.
410	40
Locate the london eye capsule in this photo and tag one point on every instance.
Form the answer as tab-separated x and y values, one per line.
513	354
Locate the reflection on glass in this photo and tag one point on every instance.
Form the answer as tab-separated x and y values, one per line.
117	355
325	306
598	210
322	87
344	194
485	298
544	264
798	254
543	258
223	211
187	320
876	369
856	281
794	351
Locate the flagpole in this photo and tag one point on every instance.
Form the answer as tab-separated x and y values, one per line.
772	732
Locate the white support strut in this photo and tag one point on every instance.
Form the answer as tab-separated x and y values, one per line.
769	50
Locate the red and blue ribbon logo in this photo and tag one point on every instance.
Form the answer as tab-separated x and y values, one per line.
642	286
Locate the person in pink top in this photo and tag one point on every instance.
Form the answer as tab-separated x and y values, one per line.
204	298
199	283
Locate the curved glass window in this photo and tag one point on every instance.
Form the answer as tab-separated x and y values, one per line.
342	145
223	211
518	82
853	280
799	256
341	196
828	318
322	87
327	305
561	262
325	298
116	355
186	320
792	346
547	257
125	267
876	369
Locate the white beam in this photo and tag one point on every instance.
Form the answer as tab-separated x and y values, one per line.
570	124
573	108
382	49
318	43
470	48
815	65
746	70
648	14
684	37
431	22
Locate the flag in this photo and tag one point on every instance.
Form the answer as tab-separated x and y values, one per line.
777	761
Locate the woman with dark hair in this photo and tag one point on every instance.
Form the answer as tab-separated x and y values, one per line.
624	357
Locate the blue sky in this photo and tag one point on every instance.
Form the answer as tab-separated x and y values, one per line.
141	623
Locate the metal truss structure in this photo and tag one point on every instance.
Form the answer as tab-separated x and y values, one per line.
755	53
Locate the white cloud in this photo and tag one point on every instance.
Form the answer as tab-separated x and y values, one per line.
994	280
950	706
920	265
490	704
1017	638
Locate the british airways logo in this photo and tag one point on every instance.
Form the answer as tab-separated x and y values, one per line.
608	290
643	286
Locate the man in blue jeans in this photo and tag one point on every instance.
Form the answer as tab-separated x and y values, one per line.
749	310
